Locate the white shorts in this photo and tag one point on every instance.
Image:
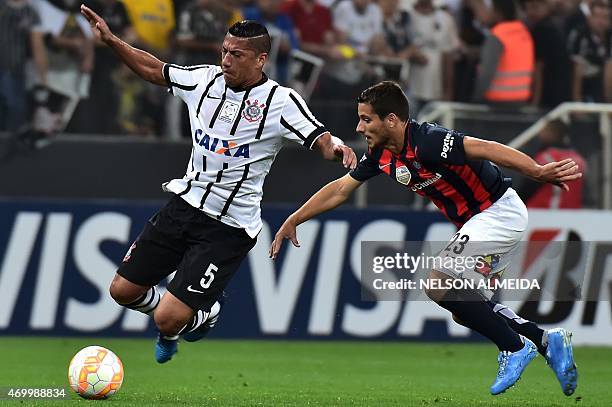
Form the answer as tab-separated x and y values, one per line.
490	238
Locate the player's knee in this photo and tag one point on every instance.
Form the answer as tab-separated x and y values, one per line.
167	322
116	293
165	325
435	295
435	282
124	292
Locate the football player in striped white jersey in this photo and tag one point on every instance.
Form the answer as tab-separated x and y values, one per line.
239	119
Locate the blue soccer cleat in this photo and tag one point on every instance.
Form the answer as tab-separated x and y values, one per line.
560	358
201	331
511	366
165	348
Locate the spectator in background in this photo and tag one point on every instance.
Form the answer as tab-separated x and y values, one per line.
452	7
200	31
280	27
398	36
359	25
553	75
153	21
471	38
103	89
555	145
435	35
577	13
591	50
314	27
137	106
20	31
507	59
70	47
70	42
398	41
141	107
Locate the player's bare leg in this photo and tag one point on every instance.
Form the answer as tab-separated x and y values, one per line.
174	318
171	316
136	297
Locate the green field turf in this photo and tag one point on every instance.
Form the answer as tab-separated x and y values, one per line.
280	373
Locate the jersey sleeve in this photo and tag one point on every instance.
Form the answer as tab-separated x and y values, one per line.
440	146
298	124
366	168
182	81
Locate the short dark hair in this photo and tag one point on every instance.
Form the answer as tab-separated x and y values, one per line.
386	97
256	33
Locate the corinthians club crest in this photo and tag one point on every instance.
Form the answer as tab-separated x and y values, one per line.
253	110
402	174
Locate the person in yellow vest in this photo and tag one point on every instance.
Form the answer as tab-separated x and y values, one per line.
153	21
507	58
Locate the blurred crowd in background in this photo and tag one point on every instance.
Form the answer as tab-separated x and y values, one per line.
55	76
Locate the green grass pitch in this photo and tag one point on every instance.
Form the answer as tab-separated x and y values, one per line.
282	373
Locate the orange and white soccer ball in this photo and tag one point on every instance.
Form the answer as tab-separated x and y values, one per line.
95	373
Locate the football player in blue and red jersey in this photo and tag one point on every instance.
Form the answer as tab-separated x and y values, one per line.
460	175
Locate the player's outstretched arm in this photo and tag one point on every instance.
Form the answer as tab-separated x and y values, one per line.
327	198
332	148
142	63
557	172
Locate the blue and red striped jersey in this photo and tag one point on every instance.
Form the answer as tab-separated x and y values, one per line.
433	164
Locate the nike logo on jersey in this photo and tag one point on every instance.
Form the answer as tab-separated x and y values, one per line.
193	290
383	166
218	146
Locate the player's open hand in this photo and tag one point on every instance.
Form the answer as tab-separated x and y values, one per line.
287	231
559	172
97	23
349	159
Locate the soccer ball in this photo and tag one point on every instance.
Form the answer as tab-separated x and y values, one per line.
95	373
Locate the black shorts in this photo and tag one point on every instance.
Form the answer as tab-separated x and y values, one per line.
204	252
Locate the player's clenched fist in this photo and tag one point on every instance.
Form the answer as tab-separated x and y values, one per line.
97	23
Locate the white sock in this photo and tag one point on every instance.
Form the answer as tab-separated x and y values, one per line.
146	303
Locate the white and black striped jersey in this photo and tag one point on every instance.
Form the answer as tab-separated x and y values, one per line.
236	134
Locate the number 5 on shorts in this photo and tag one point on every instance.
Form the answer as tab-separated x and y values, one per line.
209	276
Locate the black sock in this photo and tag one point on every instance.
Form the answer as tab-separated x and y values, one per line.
521	326
480	317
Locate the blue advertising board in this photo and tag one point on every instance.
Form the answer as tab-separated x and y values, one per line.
57	259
